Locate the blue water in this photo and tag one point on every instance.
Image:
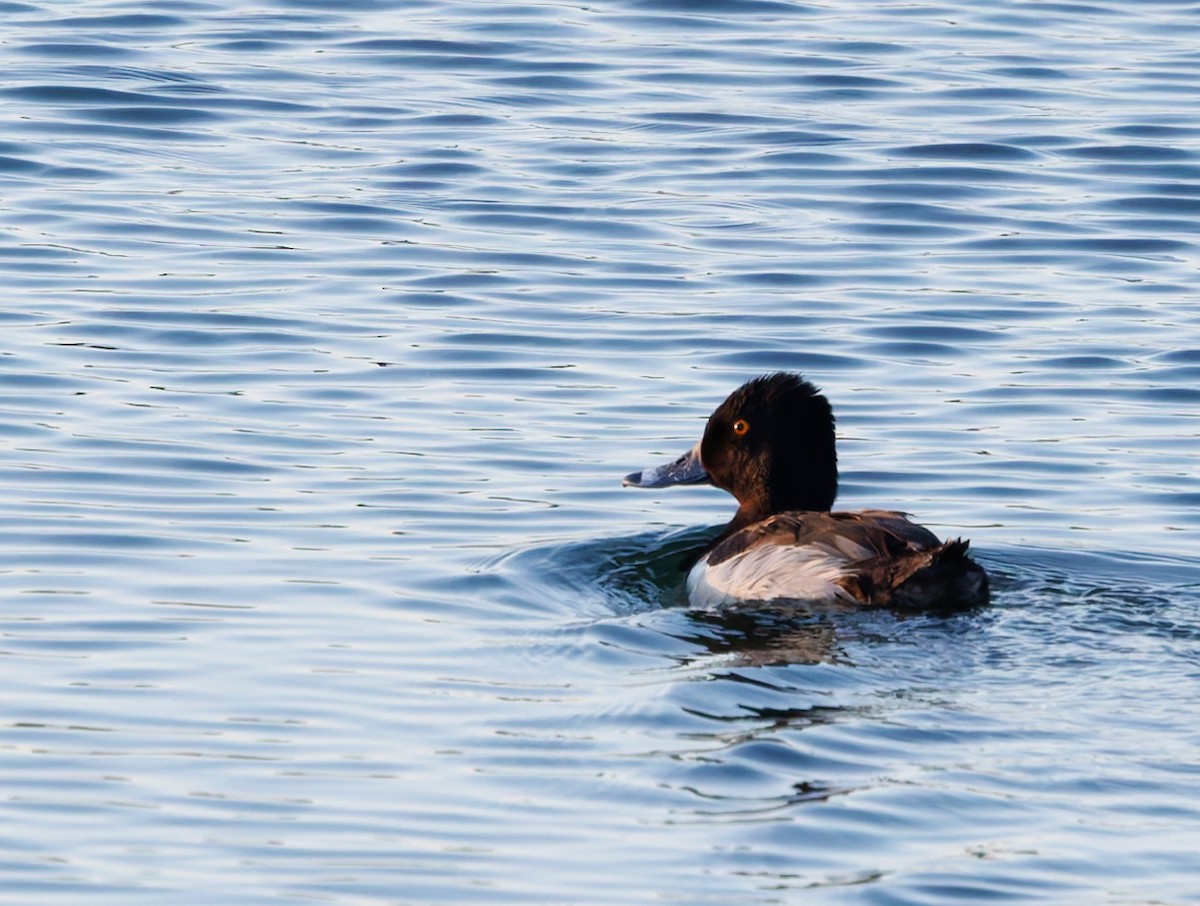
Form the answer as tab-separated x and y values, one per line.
328	331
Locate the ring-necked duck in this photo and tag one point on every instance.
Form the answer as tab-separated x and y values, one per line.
771	445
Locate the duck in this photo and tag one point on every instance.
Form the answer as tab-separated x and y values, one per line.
772	445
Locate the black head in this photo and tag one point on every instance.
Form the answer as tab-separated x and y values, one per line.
771	445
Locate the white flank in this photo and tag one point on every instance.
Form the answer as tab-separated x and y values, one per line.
770	572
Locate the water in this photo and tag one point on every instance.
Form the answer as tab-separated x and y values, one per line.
330	329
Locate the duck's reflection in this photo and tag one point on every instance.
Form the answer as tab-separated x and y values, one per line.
773	635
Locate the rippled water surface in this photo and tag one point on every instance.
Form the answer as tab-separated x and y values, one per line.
328	331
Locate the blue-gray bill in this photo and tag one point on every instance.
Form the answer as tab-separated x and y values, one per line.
687	469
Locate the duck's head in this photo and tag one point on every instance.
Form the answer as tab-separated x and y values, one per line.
770	445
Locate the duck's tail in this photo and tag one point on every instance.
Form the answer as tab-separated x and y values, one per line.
941	577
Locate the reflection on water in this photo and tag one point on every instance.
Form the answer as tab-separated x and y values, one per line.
329	330
765	637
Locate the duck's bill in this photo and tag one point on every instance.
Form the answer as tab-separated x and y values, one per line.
687	469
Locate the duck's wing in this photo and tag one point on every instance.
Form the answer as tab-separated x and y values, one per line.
926	573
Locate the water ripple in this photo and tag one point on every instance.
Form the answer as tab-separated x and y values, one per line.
330	332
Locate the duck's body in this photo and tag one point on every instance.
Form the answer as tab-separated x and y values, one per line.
771	444
871	557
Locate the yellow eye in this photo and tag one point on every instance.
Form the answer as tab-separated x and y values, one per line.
740	427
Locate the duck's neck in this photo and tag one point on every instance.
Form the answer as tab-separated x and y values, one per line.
812	490
746	515
807	481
